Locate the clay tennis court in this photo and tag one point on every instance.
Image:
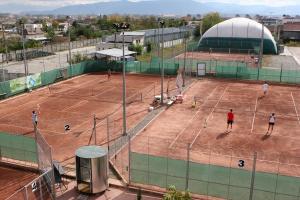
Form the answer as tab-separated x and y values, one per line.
74	102
14	179
204	128
246	58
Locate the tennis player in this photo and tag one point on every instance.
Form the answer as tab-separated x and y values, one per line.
230	119
272	119
265	88
34	118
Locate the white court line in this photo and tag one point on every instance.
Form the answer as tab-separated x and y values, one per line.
210	114
73	106
253	120
191	120
295	108
208	117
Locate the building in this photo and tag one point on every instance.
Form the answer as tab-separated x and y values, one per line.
171	36
33	28
290	20
134	38
238	35
63	27
291	31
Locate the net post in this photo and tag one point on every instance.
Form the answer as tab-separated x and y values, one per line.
253	176
187	167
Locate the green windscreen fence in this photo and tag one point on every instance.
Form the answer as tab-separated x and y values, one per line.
221	69
212	180
18	147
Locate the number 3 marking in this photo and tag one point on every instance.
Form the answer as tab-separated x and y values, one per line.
241	163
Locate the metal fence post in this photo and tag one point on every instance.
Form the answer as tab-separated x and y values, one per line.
257	73
187	168
108	133
95	122
26	193
40	188
253	176
148	165
281	73
129	160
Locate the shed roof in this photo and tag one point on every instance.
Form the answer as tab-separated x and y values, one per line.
114	52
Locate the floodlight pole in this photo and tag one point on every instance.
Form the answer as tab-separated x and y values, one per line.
5	44
124	87
123	26
184	60
69	35
162	23
261	53
24	53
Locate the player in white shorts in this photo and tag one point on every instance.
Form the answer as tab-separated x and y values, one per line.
265	88
272	119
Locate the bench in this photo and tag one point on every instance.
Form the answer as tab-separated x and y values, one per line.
170	102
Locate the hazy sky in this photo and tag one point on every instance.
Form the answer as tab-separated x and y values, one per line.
59	3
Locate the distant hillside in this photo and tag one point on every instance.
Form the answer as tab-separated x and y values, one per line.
154	7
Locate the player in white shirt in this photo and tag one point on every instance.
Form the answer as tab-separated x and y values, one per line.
34	118
272	119
265	88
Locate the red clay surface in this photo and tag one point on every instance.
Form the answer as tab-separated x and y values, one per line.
181	125
11	180
74	102
219	56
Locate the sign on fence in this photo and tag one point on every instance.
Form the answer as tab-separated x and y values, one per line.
20	84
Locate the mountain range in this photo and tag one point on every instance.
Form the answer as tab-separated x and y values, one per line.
152	7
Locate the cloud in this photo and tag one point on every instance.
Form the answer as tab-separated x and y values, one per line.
257	2
52	3
60	3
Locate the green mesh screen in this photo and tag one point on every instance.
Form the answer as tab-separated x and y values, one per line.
212	180
18	147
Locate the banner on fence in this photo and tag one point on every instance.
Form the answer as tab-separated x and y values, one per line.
20	84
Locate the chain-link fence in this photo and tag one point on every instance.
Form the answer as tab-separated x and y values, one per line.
47	50
214	172
18	149
40	188
34	153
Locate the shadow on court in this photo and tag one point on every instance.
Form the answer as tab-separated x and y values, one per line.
266	136
222	135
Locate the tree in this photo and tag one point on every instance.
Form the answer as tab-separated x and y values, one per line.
44	26
210	20
55	25
173	194
148	47
50	33
196	31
